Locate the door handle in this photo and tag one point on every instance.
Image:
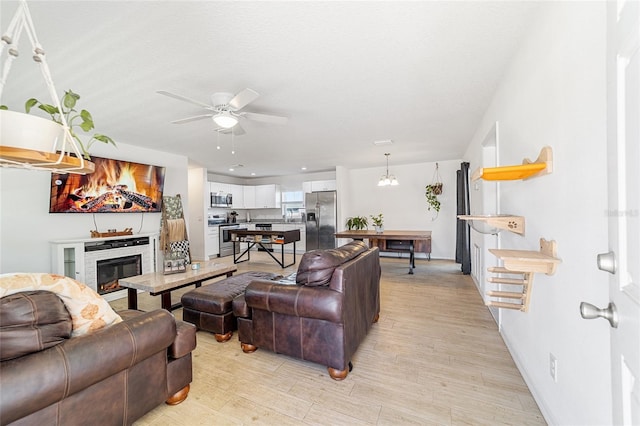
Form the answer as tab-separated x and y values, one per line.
610	313
607	262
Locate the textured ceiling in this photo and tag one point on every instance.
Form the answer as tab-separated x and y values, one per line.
345	73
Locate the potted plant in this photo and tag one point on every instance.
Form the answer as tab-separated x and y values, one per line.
378	222
75	120
432	192
357	222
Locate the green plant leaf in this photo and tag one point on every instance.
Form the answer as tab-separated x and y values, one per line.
69	99
87	120
49	109
104	138
30	104
4	107
86	125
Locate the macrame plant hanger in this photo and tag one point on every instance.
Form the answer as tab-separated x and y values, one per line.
436	181
20	22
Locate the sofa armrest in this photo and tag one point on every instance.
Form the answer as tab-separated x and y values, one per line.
296	300
38	380
185	341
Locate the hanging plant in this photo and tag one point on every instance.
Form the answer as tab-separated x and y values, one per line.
432	196
433	190
72	116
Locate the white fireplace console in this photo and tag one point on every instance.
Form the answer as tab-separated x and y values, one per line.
78	258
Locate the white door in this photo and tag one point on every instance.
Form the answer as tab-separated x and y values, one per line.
624	205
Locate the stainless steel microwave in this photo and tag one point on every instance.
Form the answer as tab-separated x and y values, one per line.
219	199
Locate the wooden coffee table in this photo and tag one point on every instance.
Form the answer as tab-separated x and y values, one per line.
159	284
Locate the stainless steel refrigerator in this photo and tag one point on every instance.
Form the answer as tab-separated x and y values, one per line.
320	218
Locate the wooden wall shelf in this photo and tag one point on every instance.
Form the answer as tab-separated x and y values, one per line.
497	222
518	300
524	263
543	261
543	165
39	160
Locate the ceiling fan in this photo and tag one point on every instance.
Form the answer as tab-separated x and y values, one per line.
225	110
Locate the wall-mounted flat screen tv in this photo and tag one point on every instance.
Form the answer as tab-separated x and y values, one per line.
116	186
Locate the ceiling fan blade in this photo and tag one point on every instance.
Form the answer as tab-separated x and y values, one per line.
265	118
190	119
185	99
237	130
243	98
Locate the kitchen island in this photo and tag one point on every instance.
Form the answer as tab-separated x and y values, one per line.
260	237
400	241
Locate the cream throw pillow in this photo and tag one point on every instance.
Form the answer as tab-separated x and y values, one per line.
89	311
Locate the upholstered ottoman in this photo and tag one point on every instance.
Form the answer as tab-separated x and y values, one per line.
209	307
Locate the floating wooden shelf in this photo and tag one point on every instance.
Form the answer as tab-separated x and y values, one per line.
39	160
544	261
497	222
541	166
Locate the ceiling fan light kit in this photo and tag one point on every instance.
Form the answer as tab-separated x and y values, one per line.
225	120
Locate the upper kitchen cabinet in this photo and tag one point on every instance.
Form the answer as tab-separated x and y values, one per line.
217	187
319	185
237	192
267	196
249	197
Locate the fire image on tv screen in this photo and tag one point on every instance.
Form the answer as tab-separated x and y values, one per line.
116	186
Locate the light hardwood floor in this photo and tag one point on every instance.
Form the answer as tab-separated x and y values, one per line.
434	358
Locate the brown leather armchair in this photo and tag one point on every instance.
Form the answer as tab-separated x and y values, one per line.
111	376
322	317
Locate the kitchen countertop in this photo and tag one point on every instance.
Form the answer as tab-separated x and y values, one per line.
272	221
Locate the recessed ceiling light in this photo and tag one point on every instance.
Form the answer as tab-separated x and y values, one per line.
231	169
383	142
253	173
303	168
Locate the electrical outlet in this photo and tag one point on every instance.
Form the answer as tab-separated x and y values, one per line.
553	367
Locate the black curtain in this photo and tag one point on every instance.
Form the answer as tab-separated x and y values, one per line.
463	235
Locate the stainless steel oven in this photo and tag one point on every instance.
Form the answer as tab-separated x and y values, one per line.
226	245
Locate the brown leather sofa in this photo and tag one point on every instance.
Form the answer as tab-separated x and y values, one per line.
111	376
321	317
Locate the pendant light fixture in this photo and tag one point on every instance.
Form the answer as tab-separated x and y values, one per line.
387	179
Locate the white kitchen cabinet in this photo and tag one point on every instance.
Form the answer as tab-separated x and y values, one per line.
212	242
249	194
219	187
68	259
319	185
268	196
237	192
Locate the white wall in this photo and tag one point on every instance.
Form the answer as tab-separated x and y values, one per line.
554	93
404	207
26	227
